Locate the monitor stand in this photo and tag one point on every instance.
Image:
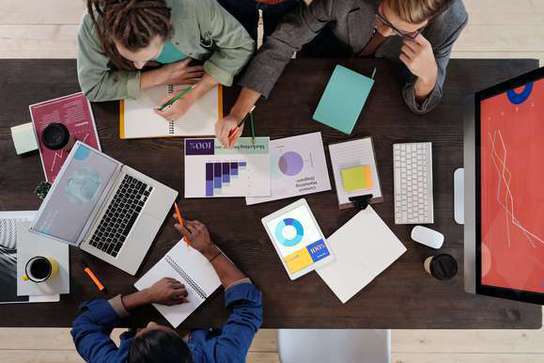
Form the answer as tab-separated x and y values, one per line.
459	196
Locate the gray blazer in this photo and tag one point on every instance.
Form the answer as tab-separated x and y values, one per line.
352	22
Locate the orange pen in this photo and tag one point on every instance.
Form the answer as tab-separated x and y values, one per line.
181	221
93	278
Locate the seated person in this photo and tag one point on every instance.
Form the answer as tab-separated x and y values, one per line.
418	33
157	343
117	39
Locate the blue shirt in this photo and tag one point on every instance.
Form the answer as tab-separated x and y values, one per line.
170	54
92	328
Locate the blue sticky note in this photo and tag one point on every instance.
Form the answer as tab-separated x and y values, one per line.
343	99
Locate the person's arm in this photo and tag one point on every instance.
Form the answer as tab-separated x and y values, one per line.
424	86
92	327
297	29
241	296
231	45
200	239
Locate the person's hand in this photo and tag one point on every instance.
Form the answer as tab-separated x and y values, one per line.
179	73
167	291
225	126
175	110
418	57
199	236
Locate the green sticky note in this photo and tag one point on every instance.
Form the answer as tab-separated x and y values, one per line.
356	178
343	99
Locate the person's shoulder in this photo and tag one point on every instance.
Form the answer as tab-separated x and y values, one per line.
454	14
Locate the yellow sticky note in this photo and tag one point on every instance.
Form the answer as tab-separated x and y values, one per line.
356	178
298	260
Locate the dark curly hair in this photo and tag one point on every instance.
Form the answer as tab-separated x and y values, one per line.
133	23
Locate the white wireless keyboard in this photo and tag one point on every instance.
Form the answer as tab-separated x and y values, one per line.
413	176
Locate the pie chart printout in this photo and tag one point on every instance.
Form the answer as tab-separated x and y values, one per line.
291	163
512	193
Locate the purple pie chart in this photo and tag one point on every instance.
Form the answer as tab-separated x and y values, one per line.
291	163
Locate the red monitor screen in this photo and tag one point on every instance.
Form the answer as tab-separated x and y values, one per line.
512	188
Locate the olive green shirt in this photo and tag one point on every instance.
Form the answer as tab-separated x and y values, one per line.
203	30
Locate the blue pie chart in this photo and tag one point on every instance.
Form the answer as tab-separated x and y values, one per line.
288	223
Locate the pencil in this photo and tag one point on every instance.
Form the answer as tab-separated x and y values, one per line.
181	221
234	130
252	127
175	98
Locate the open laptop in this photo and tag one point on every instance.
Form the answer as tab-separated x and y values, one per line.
104	207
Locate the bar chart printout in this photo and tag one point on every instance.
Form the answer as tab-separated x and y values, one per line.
222	175
213	171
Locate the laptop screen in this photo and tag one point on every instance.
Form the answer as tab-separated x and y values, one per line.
76	192
512	189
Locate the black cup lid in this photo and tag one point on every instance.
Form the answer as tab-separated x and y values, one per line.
55	136
443	267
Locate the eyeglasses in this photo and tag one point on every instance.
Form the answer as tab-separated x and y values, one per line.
404	35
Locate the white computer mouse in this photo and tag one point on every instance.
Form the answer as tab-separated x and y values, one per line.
427	237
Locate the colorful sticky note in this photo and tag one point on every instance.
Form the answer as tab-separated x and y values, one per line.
356	178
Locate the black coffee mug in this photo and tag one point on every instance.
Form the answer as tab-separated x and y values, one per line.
40	269
56	136
441	267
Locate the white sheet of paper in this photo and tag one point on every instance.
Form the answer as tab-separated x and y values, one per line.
298	168
213	171
364	247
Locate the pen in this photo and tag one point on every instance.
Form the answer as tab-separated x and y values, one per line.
373	73
175	98
93	278
181	221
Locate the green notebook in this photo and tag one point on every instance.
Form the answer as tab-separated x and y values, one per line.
343	99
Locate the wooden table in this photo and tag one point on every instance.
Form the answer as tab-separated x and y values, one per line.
401	297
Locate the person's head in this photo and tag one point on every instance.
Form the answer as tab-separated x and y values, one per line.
406	17
131	32
158	344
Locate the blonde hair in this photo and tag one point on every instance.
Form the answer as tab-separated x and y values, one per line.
415	11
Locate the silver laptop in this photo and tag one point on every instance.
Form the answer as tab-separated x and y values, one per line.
105	208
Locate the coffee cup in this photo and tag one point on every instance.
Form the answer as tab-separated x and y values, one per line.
56	136
441	267
40	269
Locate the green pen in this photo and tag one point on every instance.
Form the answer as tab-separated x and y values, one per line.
175	98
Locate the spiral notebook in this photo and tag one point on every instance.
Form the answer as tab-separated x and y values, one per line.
137	118
193	270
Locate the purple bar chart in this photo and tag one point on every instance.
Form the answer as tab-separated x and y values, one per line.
221	174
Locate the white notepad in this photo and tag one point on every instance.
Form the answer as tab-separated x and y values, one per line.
193	270
355	154
138	119
364	247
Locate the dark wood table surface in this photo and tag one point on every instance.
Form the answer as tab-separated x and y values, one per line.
401	297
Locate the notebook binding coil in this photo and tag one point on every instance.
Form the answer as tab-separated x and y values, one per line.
171	130
196	288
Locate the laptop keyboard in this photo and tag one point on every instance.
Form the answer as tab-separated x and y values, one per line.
124	209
